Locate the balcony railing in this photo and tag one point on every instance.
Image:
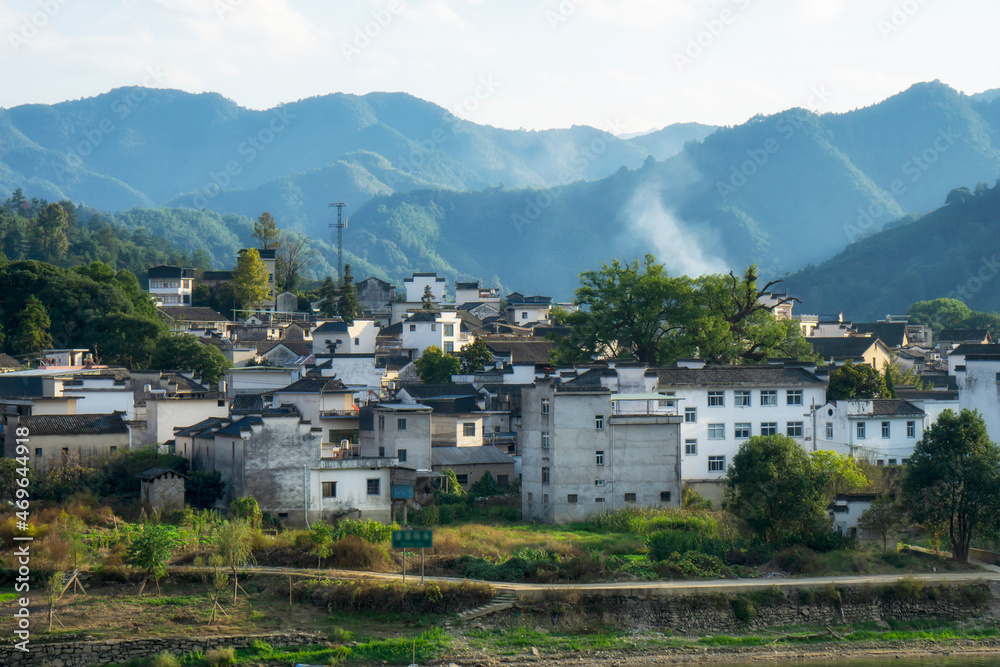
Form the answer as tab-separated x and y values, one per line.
338	413
331	451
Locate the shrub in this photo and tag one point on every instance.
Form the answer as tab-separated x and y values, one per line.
799	560
246	508
743	608
341	635
666	542
908	588
429	516
392	597
373	531
221	657
164	659
356	553
976	595
696	564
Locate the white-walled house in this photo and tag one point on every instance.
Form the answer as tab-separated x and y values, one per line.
171	285
339	337
474	292
723	406
417	284
327	403
521	310
979	389
397	430
443	329
882	430
580	457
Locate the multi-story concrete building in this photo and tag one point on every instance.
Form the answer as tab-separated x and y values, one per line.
171	285
723	406
581	454
397	430
521	310
882	430
338	337
444	329
979	389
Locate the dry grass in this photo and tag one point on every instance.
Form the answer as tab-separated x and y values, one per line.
487	541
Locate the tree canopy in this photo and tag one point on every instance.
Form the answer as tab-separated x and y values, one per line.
856	381
436	367
250	281
953	478
347	304
265	231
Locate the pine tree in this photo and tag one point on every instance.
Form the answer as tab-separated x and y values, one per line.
250	283
348	306
33	332
428	299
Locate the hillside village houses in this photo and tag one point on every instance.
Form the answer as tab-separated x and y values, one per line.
320	418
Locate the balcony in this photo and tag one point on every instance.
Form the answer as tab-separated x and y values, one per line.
333	414
330	451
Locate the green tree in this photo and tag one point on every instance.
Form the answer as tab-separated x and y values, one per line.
855	381
250	281
953	478
347	305
182	351
33	331
323	537
889	381
150	550
53	591
203	488
938	314
839	471
328	292
126	339
235	544
265	231
427	300
48	237
247	509
201	297
774	487
883	517
474	357
436	367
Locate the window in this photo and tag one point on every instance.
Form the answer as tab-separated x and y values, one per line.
690	415
794	429
630	497
381	452
38	451
598	500
449	346
113	448
545	475
716	431
599	422
769	397
524	314
892	462
600	457
793	397
741	430
545	406
502	481
598	482
741	398
413	327
357	341
329	489
401	453
545	440
829	430
401	424
221	403
462	479
469	429
880	463
886	430
374	487
381	422
905	461
716	399
664	496
911	429
434	326
690	447
571	498
768	428
716	464
861	430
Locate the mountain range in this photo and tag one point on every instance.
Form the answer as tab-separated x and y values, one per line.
527	210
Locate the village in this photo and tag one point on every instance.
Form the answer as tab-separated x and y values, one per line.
321	419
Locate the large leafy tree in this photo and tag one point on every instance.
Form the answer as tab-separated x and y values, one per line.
776	489
841	472
938	314
183	351
266	232
48	237
347	304
126	339
474	357
883	517
33	331
436	367
856	381
250	281
953	478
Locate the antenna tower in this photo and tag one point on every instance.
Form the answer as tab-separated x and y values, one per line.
341	225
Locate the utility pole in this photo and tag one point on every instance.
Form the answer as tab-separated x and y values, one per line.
341	225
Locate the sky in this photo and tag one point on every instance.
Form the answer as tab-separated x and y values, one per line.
621	65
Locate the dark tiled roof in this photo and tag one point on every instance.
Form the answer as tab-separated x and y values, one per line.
961	335
940	381
153	473
459	456
266	346
169	271
915	395
204	428
315	385
244	404
331	327
191	314
890	333
439	390
422	316
889	407
973	349
835	347
460	285
391	330
589	378
7	361
763	376
243	424
217	275
524	351
75	424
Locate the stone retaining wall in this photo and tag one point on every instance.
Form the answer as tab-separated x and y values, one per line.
87	653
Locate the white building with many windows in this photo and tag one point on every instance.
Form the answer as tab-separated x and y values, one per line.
586	449
171	285
723	406
444	329
882	430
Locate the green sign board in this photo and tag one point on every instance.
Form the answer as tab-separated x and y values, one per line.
412	539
